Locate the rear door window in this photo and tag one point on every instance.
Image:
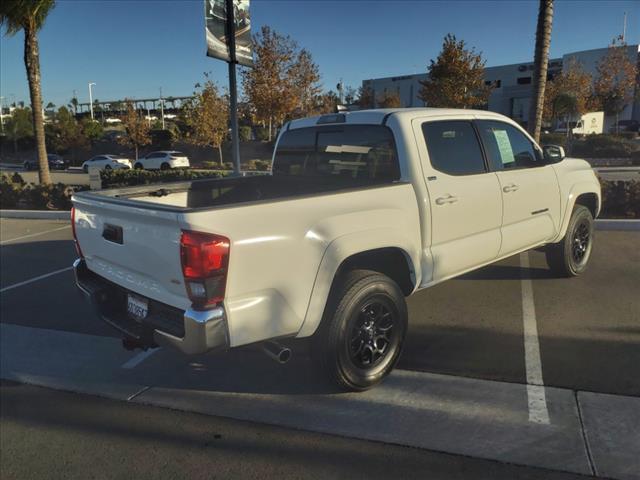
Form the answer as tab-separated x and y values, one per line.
453	147
359	152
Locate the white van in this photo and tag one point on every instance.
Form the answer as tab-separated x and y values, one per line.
591	123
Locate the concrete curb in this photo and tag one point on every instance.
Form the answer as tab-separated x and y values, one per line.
36	214
618	224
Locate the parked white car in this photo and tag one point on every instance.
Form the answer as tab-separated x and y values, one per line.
106	162
162	160
360	210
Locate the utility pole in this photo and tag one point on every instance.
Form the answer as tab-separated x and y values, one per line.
624	28
91	99
162	107
233	89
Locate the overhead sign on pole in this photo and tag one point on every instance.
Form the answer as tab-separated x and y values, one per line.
217	31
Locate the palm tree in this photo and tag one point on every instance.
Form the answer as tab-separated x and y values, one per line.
29	16
540	63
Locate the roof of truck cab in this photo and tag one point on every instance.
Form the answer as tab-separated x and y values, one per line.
380	115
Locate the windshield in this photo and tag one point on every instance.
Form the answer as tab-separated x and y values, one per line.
365	152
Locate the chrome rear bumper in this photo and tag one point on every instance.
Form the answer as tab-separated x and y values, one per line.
190	331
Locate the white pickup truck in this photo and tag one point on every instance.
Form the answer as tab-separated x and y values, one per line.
360	210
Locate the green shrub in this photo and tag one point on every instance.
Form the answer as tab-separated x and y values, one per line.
262	134
127	178
9	191
244	133
212	165
625	135
17	178
259	165
604	146
50	197
620	199
553	139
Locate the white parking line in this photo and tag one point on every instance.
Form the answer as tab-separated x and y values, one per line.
536	395
34	279
138	359
34	234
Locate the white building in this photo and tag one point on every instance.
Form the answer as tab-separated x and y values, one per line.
512	92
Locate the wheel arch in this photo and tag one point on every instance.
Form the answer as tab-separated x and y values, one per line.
589	200
583	193
392	257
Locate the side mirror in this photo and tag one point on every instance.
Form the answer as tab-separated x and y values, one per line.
553	153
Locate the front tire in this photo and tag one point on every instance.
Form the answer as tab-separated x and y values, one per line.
361	336
138	166
570	256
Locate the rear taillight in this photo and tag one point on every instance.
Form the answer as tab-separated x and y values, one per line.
73	231
205	260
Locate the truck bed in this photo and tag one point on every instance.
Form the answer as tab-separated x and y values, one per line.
205	194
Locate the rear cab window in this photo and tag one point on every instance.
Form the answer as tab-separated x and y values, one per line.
360	153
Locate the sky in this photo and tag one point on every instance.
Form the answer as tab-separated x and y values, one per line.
131	48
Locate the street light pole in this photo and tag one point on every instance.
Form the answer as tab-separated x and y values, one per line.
91	99
233	90
162	107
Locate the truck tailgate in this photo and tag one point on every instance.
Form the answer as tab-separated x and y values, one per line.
138	249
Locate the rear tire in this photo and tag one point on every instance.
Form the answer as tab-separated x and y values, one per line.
362	332
570	256
138	166
85	169
165	166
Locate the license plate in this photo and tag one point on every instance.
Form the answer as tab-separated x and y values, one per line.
137	307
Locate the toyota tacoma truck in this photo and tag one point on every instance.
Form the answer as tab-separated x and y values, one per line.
359	211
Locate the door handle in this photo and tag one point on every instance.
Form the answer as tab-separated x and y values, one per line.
447	199
512	187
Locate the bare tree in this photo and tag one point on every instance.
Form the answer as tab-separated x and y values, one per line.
206	117
136	129
616	80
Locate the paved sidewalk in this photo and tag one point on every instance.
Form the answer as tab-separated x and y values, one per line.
477	418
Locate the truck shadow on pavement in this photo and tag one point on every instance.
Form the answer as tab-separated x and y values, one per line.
575	363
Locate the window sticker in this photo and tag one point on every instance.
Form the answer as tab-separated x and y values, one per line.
504	146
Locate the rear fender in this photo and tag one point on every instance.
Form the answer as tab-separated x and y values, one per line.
342	249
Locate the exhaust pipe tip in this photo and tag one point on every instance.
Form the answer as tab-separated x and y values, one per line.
285	355
277	352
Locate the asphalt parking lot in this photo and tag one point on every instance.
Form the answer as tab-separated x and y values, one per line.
464	369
